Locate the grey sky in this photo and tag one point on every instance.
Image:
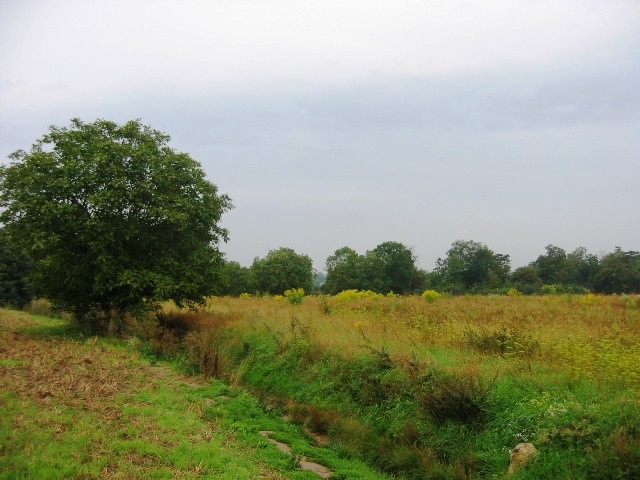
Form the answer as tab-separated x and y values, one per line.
515	123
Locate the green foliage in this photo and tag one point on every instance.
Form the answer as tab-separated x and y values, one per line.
619	272
390	267
58	418
431	295
550	265
113	218
281	270
526	279
351	295
550	289
236	280
344	271
471	266
14	270
412	387
294	295
556	267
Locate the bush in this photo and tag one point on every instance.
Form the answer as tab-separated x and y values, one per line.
431	295
353	294
40	306
462	397
294	295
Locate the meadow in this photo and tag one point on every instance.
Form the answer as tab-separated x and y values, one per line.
433	386
368	386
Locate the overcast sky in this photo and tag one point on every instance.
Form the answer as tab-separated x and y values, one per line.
515	123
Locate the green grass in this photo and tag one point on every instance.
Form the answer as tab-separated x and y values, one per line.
446	389
440	390
75	407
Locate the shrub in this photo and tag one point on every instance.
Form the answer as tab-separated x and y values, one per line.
353	294
294	295
549	289
40	306
462	397
431	295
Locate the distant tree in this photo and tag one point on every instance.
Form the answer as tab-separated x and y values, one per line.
581	268
433	280
344	271
281	270
237	279
576	269
526	279
15	267
113	219
472	265
552	265
619	272
391	267
388	267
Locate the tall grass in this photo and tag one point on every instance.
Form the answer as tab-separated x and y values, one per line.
441	388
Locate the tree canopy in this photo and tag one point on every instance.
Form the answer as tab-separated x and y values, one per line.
14	269
281	270
619	272
391	266
344	271
113	218
472	265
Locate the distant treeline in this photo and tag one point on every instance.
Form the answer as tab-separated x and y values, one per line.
468	267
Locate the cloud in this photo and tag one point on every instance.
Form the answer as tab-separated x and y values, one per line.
510	122
88	49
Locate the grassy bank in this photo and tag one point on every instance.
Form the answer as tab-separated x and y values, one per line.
78	407
441	389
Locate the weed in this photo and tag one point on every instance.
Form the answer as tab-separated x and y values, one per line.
503	342
460	397
409	384
295	295
431	295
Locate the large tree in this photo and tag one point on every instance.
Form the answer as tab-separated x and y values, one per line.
14	269
344	271
578	268
113	218
391	267
551	266
619	272
237	280
281	270
472	265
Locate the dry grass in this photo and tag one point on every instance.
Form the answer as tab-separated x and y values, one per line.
583	332
405	382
